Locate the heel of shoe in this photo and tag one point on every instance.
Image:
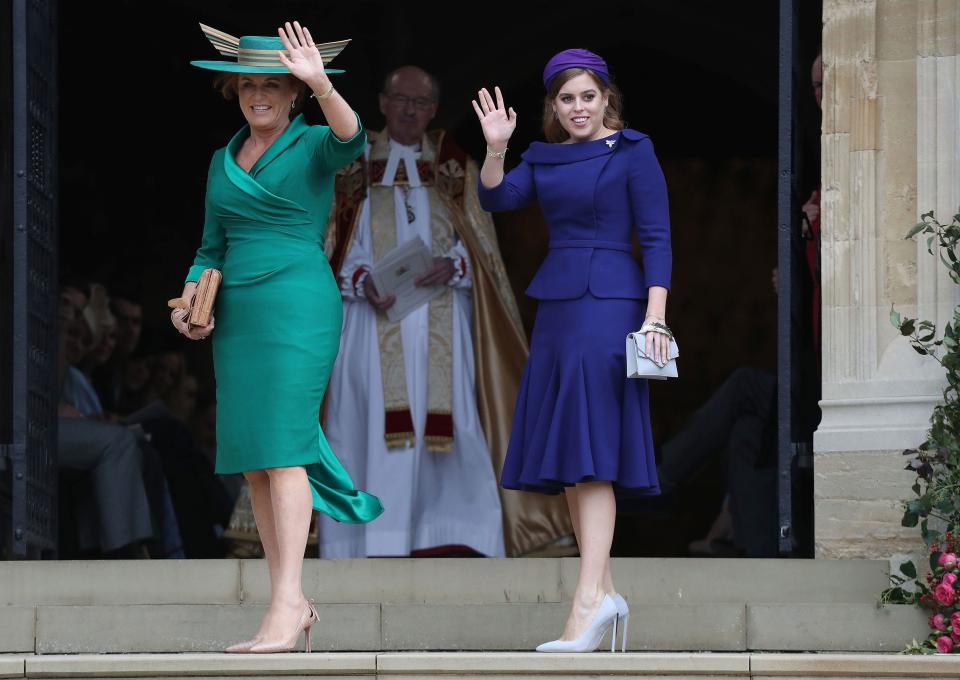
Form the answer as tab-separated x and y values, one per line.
623	642
308	628
613	634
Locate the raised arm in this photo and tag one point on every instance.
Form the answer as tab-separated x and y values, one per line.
513	191
498	123
496	192
332	153
304	61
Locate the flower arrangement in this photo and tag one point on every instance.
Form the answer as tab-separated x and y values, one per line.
940	595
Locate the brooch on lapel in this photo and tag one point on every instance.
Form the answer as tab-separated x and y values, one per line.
611	142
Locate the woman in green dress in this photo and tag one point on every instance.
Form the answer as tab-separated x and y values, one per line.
278	311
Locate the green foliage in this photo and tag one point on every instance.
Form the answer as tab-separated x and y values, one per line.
917	647
936	462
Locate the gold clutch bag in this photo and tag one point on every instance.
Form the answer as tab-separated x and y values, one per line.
203	299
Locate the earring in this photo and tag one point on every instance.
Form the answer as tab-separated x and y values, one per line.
556	115
293	104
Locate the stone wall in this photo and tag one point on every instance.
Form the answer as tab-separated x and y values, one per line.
891	115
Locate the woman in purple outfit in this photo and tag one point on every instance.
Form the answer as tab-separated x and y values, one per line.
580	426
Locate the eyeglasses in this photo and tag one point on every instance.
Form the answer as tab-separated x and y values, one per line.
401	101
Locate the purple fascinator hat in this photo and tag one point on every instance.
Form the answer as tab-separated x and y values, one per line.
575	58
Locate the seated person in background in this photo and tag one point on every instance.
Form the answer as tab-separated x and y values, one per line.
119	378
201	499
739	422
98	330
94	330
112	513
153	390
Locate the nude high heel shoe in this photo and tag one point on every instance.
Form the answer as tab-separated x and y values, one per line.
243	647
305	626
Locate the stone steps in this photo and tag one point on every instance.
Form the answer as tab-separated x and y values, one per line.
465	666
439	581
114	629
449	605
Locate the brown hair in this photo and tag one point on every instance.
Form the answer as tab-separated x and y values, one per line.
612	115
227	84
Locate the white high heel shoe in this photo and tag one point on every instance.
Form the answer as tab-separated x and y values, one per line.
623	617
604	619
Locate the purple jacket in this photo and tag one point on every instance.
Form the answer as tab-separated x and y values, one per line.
594	195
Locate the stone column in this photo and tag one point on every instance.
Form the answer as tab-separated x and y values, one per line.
890	153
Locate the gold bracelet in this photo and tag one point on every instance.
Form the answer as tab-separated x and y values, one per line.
325	95
502	155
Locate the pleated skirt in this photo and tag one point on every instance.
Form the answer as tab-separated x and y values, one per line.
578	418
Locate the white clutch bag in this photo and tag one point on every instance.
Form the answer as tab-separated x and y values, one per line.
639	365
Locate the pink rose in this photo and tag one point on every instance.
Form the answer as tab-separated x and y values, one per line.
955	621
938	621
949	579
944	594
944	644
956	637
948	561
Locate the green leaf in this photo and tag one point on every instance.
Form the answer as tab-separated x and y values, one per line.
934	560
894	317
907	327
910	519
908	569
916	229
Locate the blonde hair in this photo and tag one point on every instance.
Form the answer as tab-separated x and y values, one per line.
612	115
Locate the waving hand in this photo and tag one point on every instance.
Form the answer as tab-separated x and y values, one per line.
302	57
498	122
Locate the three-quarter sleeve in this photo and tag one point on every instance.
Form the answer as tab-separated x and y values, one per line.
516	190
651	214
214	242
333	153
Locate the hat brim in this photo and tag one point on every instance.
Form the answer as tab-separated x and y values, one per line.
234	67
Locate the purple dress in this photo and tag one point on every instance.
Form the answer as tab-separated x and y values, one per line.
578	418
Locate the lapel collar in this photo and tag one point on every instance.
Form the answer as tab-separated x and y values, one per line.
278	209
294	131
559	154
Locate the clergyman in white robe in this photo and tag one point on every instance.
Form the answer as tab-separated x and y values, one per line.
431	497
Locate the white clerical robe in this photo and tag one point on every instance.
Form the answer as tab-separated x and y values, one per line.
430	498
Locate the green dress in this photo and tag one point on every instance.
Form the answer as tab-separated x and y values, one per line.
279	310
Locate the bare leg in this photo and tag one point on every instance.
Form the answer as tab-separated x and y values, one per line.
571	493
291	505
263	513
596	513
573	500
